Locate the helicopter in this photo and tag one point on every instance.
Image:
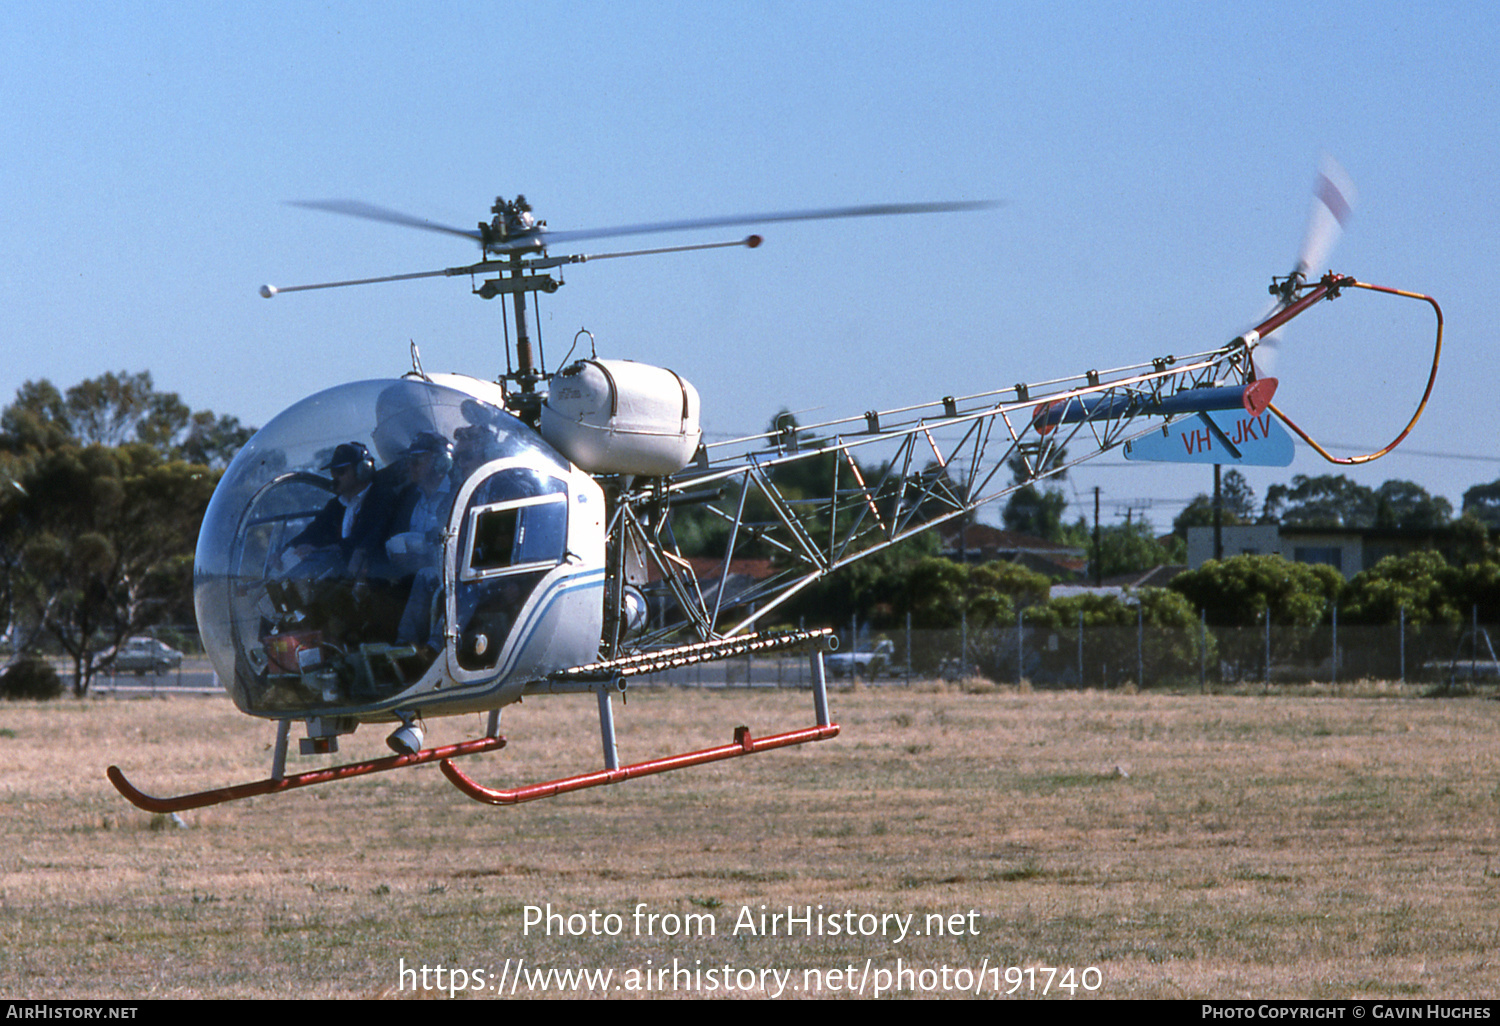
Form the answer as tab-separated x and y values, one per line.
395	549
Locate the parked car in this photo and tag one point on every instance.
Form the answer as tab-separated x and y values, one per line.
146	655
872	663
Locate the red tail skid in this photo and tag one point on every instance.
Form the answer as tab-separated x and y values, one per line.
743	744
182	803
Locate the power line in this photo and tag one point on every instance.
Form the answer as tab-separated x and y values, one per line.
1429	453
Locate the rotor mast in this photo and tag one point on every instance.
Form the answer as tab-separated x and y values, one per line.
526	373
513	220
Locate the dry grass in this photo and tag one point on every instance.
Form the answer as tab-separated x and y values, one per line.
1187	846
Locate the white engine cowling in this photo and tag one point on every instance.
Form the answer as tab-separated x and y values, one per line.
621	417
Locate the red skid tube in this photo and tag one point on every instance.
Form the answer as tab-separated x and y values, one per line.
743	744
182	803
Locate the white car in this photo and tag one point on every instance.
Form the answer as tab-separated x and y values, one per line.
872	663
146	655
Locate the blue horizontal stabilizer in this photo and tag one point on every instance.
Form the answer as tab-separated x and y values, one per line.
1231	437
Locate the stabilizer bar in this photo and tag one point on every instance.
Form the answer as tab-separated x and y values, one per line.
1437	352
182	803
1253	398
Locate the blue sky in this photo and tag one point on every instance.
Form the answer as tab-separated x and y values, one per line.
1155	163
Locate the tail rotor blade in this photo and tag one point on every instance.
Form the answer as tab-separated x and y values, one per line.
1332	204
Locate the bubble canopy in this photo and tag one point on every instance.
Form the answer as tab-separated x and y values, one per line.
289	581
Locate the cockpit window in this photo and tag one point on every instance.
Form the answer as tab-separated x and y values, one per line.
517	536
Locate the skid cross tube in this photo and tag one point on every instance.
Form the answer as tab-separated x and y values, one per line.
182	803
743	744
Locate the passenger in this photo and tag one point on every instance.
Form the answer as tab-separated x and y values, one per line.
418	550
473	446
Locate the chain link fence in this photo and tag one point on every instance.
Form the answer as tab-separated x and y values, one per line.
1141	656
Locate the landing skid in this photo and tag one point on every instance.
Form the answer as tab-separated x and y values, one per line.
614	773
743	744
271	785
602	679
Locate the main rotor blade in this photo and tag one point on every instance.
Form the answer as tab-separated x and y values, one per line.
548	238
370	212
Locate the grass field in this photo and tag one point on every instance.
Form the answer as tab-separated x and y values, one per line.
1303	846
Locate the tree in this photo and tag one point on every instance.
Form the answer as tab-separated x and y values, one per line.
1126	548
37	420
1407	505
1329	500
1434	598
213	441
99	512
1483	501
114	409
1238	591
1032	510
940	593
1475	590
1238	595
1472	542
104	541
1420	583
873	589
1156	625
1236	501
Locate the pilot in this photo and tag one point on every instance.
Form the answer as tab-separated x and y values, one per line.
348	535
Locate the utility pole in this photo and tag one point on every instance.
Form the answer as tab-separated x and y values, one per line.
1098	543
1218	517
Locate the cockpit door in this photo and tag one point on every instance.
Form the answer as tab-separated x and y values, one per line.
508	533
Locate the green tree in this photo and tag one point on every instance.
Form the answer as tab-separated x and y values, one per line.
1155	625
1407	505
1436	601
1037	512
212	441
1421	583
1032	510
1475	590
37	420
1238	594
1238	591
872	589
1236	500
102	489
941	594
1125	548
104	541
1483	501
114	409
1329	500
1472	542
